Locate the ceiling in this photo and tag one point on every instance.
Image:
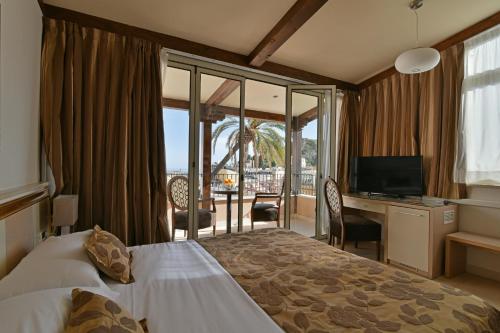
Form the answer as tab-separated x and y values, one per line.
226	24
350	40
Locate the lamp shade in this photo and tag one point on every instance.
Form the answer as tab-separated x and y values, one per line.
418	60
65	210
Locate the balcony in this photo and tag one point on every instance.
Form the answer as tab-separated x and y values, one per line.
303	201
224	131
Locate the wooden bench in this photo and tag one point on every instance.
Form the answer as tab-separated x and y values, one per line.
456	254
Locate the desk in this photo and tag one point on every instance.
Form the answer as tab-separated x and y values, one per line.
414	230
229	194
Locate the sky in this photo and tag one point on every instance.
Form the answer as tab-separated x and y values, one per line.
176	128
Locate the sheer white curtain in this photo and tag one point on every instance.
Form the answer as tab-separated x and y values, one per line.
325	155
329	137
478	151
164	69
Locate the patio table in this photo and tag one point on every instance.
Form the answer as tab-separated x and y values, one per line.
229	194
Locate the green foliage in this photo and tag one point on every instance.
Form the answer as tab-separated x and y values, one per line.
267	139
309	151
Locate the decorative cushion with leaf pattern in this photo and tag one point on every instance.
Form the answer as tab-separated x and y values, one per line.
109	254
96	313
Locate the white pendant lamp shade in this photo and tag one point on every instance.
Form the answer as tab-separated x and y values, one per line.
418	60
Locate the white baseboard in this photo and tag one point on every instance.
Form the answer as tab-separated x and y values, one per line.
483	272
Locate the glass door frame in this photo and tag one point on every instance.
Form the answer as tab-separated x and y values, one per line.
194	144
195	147
239	73
317	91
192	106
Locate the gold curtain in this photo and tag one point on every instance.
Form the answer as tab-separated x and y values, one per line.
411	115
348	137
102	124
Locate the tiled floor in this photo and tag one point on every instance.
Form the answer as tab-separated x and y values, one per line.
221	229
303	225
487	289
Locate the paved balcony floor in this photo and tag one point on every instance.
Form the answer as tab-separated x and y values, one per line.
300	224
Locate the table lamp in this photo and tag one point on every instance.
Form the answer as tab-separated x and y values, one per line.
65	212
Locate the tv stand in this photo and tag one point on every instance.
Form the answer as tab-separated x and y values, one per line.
413	229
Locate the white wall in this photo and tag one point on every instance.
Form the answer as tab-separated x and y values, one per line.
483	221
20	47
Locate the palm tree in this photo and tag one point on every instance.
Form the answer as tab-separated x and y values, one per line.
267	143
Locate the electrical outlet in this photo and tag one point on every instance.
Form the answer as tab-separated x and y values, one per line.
448	216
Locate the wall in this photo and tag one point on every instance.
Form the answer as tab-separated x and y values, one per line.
483	221
305	205
20	47
18	236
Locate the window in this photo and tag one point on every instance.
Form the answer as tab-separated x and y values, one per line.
478	151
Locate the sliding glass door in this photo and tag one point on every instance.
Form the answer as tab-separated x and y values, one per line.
265	127
254	152
203	112
219	145
310	155
178	111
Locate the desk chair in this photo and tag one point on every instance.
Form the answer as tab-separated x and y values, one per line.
348	227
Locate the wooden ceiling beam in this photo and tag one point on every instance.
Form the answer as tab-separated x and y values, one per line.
183	45
459	37
210	113
176	103
294	18
309	114
252	113
227	110
302	120
220	94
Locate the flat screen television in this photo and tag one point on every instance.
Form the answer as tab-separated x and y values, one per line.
394	175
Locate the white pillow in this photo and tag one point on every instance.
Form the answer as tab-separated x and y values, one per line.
44	311
62	247
32	275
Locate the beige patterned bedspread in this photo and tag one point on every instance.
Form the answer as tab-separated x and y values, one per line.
309	286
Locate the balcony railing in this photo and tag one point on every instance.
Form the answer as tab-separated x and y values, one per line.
306	183
260	182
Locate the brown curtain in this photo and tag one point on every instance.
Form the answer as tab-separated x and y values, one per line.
413	115
348	137
102	126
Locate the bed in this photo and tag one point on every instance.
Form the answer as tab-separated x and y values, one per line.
269	280
309	286
182	287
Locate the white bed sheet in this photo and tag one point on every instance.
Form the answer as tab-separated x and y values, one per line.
179	287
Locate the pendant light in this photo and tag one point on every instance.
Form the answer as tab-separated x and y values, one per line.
419	59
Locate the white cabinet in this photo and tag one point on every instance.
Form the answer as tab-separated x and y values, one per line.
408	237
